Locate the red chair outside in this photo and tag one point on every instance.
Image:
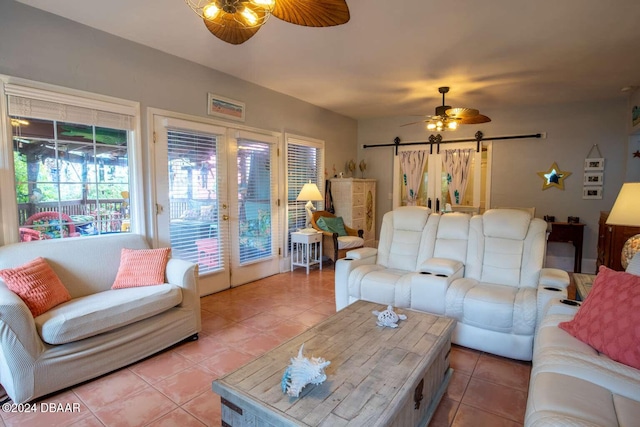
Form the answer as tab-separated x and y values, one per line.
46	225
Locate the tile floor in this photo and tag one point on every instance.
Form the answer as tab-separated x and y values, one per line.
173	388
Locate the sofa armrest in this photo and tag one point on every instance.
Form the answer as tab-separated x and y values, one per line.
344	267
20	344
442	267
185	274
563	306
554	277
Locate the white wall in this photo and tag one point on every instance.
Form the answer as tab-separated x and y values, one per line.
571	129
43	47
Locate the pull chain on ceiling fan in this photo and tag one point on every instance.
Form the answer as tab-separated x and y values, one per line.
448	118
236	21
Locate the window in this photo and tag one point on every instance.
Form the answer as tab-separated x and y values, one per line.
305	163
72	165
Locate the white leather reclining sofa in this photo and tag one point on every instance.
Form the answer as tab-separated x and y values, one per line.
485	271
572	384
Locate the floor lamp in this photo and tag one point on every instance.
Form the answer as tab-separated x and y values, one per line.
626	211
310	193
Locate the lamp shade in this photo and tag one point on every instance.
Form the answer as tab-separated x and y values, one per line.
310	192
626	209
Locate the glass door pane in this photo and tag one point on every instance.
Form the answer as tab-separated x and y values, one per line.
253	213
191	197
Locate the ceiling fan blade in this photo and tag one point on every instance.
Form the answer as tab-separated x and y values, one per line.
312	13
462	112
480	118
230	29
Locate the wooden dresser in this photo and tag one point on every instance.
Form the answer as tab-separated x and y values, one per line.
611	238
355	201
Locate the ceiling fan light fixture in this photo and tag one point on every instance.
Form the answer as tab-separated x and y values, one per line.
250	16
242	13
210	11
264	3
452	125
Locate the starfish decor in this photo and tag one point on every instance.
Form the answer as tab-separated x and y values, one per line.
553	177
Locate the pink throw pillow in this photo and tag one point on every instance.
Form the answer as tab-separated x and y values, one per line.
37	285
141	267
609	319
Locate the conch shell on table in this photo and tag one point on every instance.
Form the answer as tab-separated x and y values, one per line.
388	317
303	371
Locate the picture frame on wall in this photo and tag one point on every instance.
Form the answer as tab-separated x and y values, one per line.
592	193
227	108
594	164
593	178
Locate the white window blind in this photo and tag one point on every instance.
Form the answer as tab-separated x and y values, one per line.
305	163
194	194
255	195
46	105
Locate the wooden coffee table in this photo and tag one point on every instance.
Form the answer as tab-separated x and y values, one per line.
377	377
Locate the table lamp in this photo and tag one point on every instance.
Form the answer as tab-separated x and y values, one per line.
626	211
310	193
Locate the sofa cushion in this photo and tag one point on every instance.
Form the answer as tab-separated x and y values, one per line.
609	318
37	285
350	242
142	267
490	306
506	223
332	225
104	311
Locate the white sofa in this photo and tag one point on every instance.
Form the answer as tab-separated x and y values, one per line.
99	329
485	271
572	384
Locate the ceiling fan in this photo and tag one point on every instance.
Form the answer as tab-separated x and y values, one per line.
236	21
448	118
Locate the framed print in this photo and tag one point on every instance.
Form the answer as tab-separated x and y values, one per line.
593	178
225	107
595	164
592	193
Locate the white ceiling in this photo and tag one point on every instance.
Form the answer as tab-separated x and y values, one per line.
392	56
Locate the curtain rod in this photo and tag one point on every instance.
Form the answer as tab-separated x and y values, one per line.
437	140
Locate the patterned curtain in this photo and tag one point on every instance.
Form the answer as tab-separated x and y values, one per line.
412	163
457	164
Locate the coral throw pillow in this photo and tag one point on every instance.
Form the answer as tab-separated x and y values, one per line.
141	267
609	319
37	285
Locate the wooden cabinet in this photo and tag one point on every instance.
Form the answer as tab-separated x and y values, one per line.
611	239
355	201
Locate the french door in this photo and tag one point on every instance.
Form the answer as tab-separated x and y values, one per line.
216	201
434	189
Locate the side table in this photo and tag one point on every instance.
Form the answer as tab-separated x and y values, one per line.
306	249
583	284
569	233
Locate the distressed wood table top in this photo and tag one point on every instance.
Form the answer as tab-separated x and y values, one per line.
372	371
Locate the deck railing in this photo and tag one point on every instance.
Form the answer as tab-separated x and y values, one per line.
71	207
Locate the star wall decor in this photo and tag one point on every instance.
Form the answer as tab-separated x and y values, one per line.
637	154
553	177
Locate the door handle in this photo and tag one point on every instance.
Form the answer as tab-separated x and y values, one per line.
225	217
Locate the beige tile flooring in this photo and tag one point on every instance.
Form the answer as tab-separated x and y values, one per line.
173	388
